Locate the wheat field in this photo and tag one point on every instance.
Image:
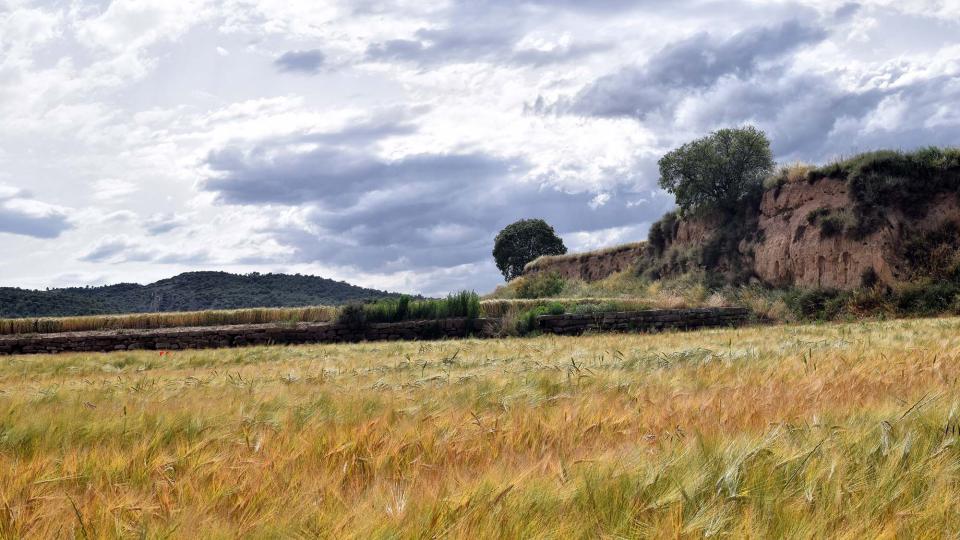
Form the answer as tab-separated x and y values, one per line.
846	431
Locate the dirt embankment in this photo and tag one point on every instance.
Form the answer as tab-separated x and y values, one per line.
591	265
804	237
803	243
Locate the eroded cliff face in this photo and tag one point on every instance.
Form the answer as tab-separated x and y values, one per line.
800	235
794	249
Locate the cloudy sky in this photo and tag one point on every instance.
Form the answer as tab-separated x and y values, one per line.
386	142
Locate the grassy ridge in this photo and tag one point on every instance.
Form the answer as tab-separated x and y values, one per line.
802	431
463	304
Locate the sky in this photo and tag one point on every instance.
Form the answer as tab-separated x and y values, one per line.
385	143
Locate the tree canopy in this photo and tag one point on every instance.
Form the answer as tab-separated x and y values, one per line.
717	171
523	241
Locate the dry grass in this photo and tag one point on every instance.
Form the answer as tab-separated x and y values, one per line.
583	255
792	173
502	307
840	431
168	320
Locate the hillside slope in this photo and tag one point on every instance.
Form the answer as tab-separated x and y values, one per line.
191	291
882	218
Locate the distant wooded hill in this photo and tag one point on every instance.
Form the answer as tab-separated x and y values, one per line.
191	291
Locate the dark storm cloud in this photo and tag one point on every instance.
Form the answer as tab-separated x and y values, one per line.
419	211
798	112
308	62
810	117
748	79
686	67
17	217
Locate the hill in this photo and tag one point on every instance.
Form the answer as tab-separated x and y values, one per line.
887	218
191	291
875	234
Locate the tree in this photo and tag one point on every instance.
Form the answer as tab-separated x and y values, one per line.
521	242
718	171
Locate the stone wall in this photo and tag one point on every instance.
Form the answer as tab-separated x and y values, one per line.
239	335
650	320
281	334
588	266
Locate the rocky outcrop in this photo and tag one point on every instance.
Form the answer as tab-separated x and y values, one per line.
588	266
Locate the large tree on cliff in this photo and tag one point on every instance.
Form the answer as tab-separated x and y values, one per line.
523	241
718	171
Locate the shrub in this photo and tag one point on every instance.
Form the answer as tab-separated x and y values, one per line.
527	321
869	278
831	226
927	298
832	221
816	304
540	285
934	253
814	215
662	233
352	315
869	302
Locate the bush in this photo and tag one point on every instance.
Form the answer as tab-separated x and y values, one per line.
831	226
527	321
927	298
816	304
814	215
832	221
352	315
662	233
934	253
540	285
869	278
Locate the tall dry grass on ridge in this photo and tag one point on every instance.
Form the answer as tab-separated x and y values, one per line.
845	431
134	321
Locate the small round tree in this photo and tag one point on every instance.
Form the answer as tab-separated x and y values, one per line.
521	242
718	171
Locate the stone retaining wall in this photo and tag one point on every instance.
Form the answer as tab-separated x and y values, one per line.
280	334
650	320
